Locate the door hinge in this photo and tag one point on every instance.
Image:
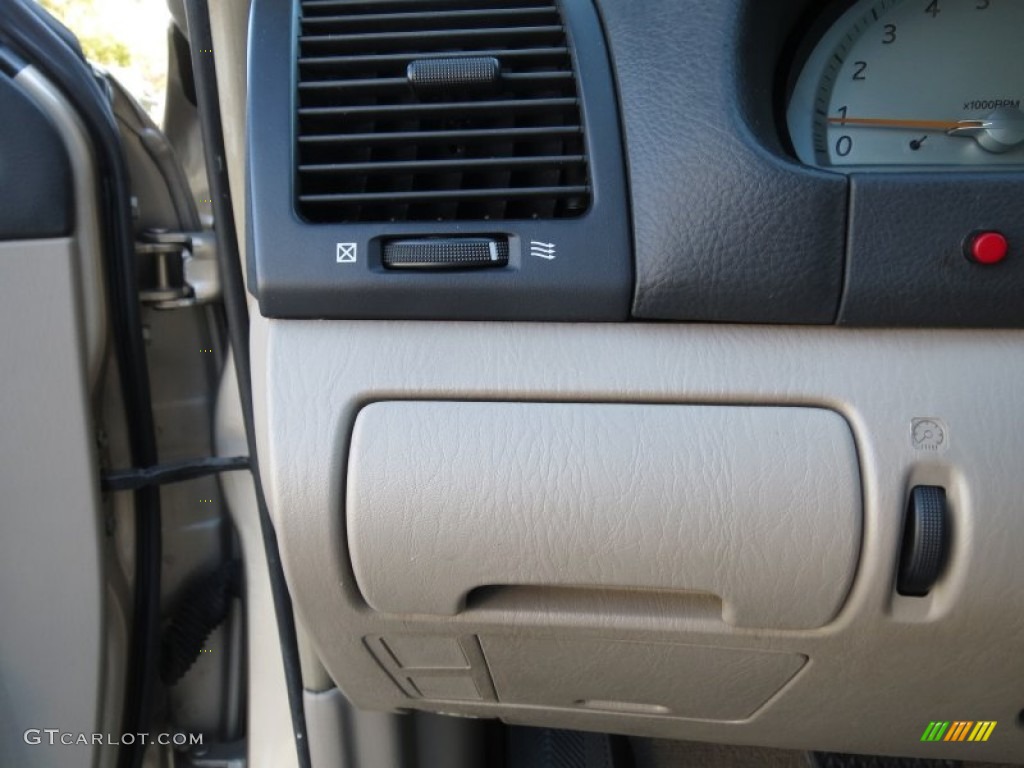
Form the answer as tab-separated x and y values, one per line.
177	269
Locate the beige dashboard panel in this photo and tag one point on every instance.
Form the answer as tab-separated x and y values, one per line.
876	674
448	497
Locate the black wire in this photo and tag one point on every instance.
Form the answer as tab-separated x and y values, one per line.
30	31
173	472
204	68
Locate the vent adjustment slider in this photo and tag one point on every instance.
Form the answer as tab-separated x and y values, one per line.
446	253
430	76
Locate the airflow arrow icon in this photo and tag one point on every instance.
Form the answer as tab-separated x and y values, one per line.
542	250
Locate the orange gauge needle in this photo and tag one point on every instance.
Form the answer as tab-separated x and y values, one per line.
917	125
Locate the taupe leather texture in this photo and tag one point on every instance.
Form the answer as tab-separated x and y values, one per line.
876	673
758	506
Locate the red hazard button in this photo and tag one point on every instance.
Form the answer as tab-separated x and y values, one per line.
987	247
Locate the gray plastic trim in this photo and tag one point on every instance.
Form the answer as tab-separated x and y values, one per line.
52	591
87	224
52	524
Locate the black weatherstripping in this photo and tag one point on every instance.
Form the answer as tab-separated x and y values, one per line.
44	43
208	101
36	186
522	169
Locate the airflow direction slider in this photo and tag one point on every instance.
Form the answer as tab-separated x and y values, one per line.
446	253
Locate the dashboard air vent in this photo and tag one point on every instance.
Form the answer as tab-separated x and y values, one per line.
428	110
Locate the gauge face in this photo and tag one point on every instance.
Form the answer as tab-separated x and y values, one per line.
914	82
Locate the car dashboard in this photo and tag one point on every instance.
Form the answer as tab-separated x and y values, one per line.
647	367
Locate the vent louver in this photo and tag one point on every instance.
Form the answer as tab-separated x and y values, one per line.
427	110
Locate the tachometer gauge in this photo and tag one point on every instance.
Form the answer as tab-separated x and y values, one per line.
914	82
